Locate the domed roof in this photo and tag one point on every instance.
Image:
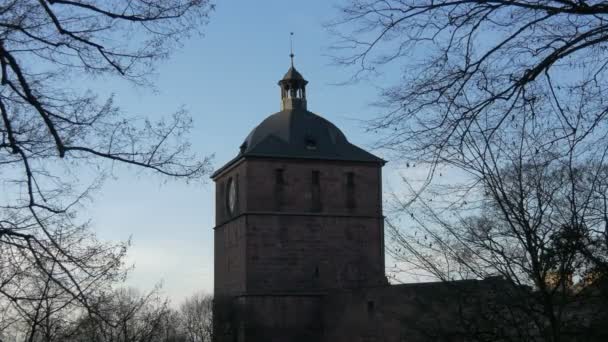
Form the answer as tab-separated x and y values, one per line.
296	133
300	134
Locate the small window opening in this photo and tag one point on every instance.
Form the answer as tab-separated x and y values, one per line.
310	143
315	190
316	271
279	176
350	190
350	179
315	177
279	189
371	306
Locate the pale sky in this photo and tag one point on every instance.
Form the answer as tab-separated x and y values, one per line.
227	80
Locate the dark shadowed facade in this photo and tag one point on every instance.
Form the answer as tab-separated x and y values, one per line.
298	214
299	238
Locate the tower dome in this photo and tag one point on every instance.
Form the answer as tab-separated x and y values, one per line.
295	132
298	133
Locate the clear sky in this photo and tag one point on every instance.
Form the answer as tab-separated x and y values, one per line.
227	79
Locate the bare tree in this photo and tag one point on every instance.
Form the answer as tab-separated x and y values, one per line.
197	317
503	102
45	315
474	69
128	316
477	63
58	141
120	315
530	213
535	227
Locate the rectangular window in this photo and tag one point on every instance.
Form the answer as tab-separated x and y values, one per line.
278	175
315	177
279	189
350	179
371	306
350	190
315	189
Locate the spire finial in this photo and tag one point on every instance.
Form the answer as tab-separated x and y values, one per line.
291	55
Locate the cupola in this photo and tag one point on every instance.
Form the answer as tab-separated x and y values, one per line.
293	89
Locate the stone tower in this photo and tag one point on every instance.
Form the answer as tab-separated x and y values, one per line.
298	215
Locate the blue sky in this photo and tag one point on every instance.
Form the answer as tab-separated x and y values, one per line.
227	80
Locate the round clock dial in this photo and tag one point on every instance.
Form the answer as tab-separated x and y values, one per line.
231	196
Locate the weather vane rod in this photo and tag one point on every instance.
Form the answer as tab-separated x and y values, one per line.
291	47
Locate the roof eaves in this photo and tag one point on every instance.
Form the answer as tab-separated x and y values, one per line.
227	166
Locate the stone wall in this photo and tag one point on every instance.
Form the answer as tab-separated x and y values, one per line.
298	192
301	228
279	318
294	245
420	312
312	253
230	257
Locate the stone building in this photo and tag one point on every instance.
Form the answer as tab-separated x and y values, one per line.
299	239
298	214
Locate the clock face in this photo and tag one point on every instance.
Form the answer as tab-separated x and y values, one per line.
231	196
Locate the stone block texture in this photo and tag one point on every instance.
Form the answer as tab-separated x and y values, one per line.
295	228
300	229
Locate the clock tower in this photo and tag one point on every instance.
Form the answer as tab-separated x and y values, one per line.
298	216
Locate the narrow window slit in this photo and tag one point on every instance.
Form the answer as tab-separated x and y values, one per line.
350	190
315	189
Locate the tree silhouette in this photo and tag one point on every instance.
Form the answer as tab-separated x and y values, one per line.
58	141
503	102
